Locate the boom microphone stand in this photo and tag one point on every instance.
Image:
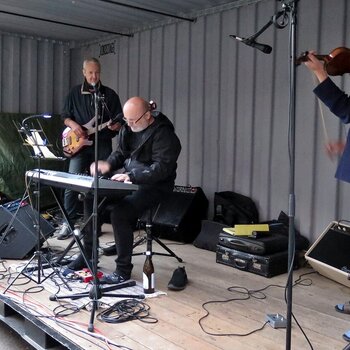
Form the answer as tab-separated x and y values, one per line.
96	292
288	15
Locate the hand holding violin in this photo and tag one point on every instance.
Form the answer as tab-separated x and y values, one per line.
337	62
316	66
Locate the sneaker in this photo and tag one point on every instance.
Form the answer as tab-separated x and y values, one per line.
111	250
78	264
113	278
179	279
64	232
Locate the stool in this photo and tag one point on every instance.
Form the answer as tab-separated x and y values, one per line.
149	237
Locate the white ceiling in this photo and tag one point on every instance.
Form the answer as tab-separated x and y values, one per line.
94	19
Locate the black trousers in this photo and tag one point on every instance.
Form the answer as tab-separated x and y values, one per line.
124	215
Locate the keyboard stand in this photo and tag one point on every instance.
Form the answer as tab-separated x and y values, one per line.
76	237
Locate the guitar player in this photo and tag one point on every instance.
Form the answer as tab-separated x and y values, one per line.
78	111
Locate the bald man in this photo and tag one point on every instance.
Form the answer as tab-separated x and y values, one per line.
147	151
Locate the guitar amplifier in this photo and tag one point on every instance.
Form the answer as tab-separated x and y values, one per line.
179	216
329	255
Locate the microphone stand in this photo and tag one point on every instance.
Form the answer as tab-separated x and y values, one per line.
251	40
96	289
96	292
289	13
290	7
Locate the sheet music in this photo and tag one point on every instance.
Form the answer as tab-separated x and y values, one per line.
39	145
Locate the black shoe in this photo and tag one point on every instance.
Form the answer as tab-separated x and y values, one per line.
78	264
179	279
113	278
111	250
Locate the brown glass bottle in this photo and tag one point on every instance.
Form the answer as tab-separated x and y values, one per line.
148	274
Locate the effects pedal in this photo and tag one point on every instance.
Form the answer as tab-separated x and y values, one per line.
276	320
85	275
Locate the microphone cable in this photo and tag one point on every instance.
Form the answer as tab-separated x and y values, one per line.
127	310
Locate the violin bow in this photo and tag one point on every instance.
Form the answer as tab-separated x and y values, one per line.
327	141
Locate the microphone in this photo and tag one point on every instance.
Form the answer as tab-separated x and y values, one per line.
251	42
94	89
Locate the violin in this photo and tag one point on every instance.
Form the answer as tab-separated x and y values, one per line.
337	62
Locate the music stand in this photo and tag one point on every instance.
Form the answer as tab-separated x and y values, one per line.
35	140
96	292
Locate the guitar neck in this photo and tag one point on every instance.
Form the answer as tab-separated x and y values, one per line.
91	131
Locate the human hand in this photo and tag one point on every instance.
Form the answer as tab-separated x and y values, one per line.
334	148
103	167
78	129
316	66
121	178
114	127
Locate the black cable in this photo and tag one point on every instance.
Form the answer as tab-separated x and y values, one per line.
226	334
257	294
127	310
4	268
33	290
66	309
27	280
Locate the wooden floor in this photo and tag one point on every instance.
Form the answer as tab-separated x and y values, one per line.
178	313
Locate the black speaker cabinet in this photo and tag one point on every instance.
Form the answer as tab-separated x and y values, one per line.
179	216
18	232
329	255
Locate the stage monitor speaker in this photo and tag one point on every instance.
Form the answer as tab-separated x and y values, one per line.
179	216
329	255
22	237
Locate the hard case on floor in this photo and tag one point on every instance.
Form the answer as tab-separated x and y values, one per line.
264	265
266	244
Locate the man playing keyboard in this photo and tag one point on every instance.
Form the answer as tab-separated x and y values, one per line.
147	151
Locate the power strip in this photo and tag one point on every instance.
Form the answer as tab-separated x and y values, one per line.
276	320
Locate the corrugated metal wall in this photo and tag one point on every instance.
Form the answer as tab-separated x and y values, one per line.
229	102
34	74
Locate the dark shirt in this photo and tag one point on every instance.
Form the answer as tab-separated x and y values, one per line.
79	106
339	103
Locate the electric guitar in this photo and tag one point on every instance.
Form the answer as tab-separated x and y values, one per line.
73	144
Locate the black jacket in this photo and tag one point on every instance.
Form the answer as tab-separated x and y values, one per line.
154	161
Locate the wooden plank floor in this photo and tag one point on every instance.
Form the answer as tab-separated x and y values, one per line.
178	313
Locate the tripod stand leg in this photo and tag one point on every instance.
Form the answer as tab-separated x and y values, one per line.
15	279
40	269
149	238
171	253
